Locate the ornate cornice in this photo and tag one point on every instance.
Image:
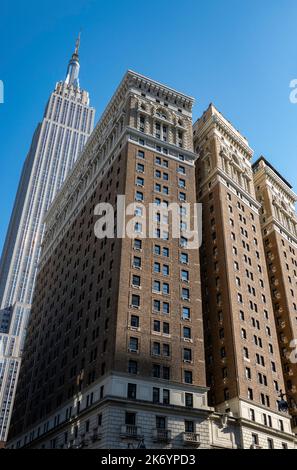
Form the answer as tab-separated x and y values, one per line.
215	121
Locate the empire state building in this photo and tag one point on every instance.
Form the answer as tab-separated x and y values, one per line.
56	145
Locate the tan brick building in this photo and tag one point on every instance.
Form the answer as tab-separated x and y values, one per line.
114	350
243	364
115	354
279	231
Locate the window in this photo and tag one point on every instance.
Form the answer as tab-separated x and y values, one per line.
160	422
157	326
157	286
136	262
165	270
281	425
166	396
133	344
255	439
156	349
135	301
189	426
166	308
187	355
166	350
166	328
130	419
189	400
184	258
156	370
132	367
139	196
252	415
185	275
139	181
250	394
157	250
187	332
156	395
140	168
156	305
188	377
185	294
134	321
165	252
137	244
131	393
165	288
186	313
270	443
136	280
157	267
140	154
166	373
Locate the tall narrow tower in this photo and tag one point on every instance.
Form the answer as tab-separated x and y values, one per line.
243	363
58	140
279	231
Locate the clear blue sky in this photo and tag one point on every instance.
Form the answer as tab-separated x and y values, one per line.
239	55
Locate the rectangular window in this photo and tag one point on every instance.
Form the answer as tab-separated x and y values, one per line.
189	400
132	367
166	396
131	393
135	301
156	395
188	377
133	345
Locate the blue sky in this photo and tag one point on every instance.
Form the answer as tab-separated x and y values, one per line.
239	55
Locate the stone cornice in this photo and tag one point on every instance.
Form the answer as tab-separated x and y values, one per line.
95	142
164	90
266	171
217	122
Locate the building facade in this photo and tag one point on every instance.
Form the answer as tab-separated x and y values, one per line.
114	356
58	140
279	231
243	363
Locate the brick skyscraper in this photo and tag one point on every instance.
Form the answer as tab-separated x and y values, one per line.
114	352
279	231
243	363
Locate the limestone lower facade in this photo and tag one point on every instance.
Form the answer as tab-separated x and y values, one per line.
122	413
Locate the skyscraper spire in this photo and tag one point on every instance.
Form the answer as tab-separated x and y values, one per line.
56	145
77	44
73	66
